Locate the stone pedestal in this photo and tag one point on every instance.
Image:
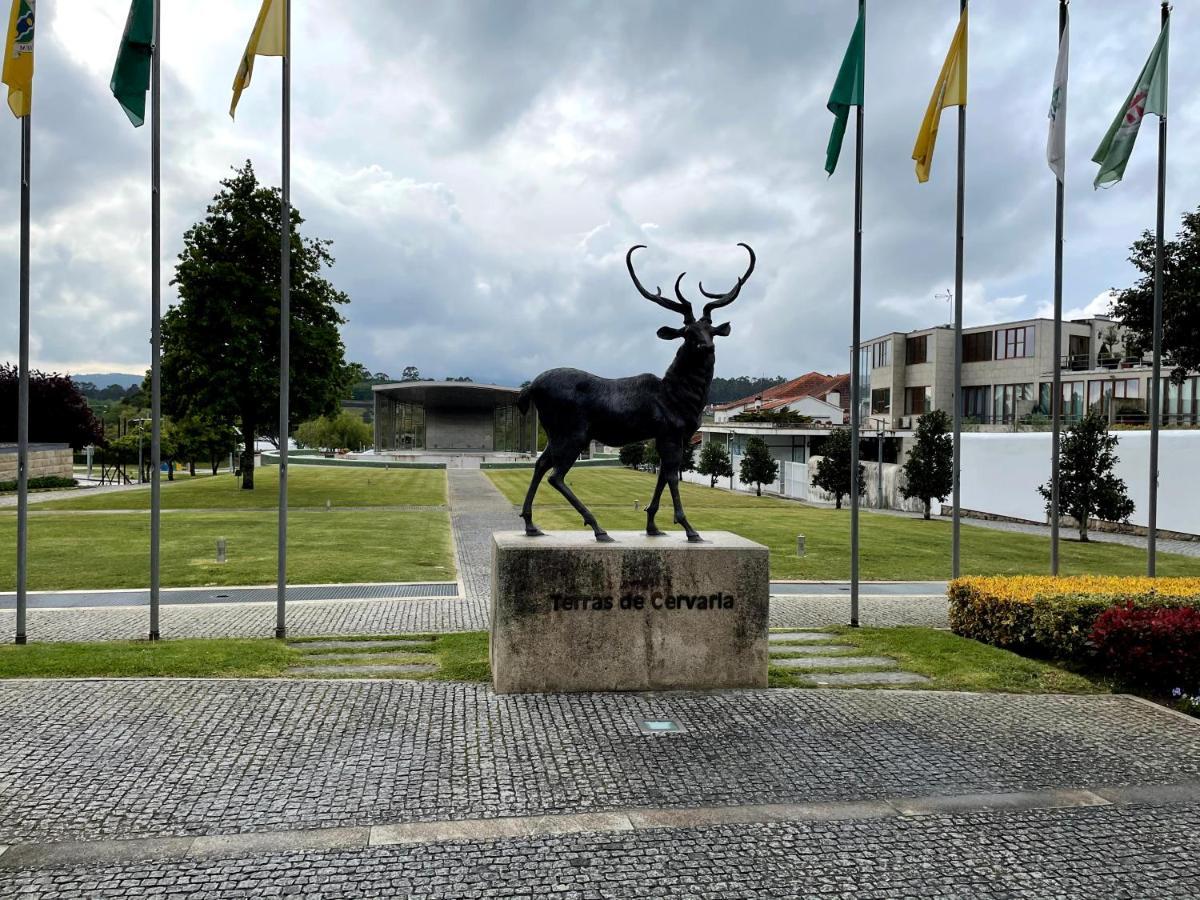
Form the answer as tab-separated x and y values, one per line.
638	614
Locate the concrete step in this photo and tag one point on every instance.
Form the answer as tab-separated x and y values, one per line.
836	679
366	646
810	649
800	636
835	662
358	671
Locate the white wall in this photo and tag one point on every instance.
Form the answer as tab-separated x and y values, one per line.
1001	472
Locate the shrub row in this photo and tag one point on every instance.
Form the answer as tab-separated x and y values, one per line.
40	483
1055	617
1153	648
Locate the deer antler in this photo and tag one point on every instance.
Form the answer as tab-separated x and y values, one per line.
682	306
719	300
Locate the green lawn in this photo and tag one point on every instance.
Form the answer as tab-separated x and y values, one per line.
952	663
76	545
892	548
307	486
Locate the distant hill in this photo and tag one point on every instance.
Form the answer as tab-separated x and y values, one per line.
124	379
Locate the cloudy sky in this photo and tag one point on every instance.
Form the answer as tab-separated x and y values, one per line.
482	167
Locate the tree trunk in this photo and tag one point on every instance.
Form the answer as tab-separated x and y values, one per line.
248	459
1083	530
758	489
837	500
927	509
712	482
216	464
192	468
170	470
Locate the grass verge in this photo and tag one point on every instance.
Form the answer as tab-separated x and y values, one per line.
226	658
953	663
893	548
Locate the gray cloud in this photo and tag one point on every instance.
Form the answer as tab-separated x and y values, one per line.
482	167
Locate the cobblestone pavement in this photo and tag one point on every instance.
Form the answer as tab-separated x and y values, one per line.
94	760
141	758
477	508
1086	853
403	616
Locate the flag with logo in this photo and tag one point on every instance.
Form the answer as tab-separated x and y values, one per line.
18	58
131	73
1056	140
847	92
1149	95
949	90
267	39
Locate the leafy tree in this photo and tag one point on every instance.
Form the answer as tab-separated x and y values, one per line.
410	373
723	390
632	455
714	462
58	411
757	466
202	439
221	343
650	456
688	463
1087	486
1134	306
343	431
833	469
929	469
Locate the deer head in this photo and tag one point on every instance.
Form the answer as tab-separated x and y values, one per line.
697	333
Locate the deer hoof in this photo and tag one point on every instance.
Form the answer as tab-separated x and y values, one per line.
694	538
655	532
603	538
534	531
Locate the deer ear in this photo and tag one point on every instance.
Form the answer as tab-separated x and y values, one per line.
722	330
669	334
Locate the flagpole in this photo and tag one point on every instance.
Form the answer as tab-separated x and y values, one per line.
155	322
1156	371
958	325
1056	389
285	317
23	390
856	336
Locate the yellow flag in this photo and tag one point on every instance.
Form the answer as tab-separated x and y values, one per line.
18	58
268	38
950	90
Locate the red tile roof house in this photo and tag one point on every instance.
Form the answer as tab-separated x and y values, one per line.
825	398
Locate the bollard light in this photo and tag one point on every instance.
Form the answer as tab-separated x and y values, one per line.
799	545
328	505
637	504
220	550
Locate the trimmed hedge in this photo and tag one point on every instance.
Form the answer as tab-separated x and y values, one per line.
41	483
1054	617
1154	648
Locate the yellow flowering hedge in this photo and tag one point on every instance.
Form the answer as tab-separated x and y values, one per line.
1052	616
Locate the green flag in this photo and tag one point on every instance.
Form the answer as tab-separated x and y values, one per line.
847	92
1149	95
131	74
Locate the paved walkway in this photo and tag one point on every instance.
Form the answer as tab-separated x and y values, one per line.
1184	548
477	508
342	789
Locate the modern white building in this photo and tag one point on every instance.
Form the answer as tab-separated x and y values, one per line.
1007	375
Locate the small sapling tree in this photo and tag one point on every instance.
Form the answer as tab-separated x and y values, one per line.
1087	486
833	469
757	466
714	462
929	469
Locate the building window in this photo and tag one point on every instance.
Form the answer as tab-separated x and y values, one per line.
881	401
915	350
880	354
918	401
976	401
1012	401
1072	400
977	347
1181	402
1015	343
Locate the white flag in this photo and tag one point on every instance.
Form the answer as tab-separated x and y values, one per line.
1056	141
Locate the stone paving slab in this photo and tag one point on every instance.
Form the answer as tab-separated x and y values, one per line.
810	650
845	679
1078	853
833	662
156	758
366	646
396	669
799	636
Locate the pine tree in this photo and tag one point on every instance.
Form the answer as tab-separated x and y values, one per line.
1087	486
929	469
757	466
714	462
833	469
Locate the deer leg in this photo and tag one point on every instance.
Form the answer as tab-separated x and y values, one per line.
680	518
652	509
540	468
562	465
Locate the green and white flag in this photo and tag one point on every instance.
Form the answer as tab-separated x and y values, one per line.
847	92
131	74
1149	95
1056	141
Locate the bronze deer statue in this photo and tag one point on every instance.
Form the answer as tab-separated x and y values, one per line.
577	407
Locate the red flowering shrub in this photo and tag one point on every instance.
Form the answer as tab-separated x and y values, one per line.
1155	648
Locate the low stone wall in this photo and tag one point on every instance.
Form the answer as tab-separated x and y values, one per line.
44	460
